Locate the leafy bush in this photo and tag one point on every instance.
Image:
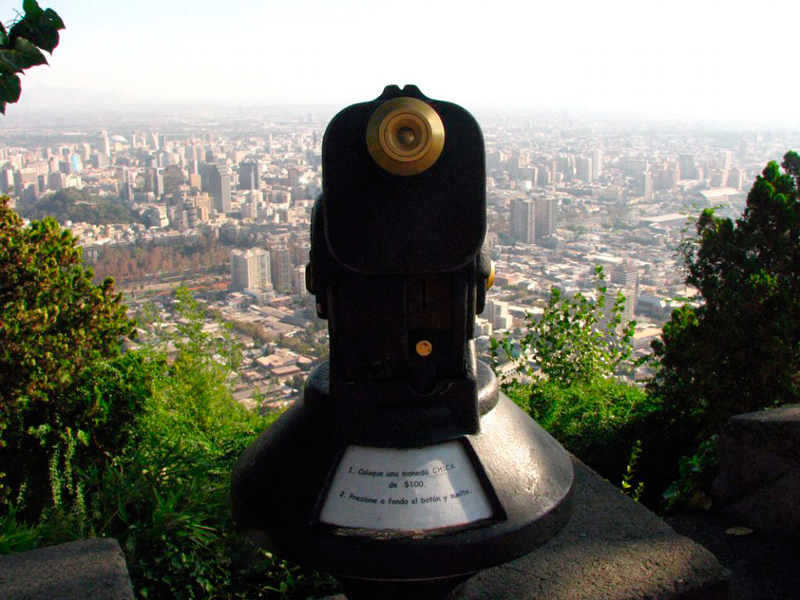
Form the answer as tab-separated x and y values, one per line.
599	421
577	339
696	473
739	351
170	433
579	344
56	330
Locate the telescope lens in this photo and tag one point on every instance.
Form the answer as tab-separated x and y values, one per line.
405	136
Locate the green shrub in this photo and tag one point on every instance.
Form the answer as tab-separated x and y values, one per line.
57	331
15	535
598	421
170	434
696	473
739	350
576	396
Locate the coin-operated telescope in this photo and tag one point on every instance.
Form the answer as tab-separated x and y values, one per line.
404	469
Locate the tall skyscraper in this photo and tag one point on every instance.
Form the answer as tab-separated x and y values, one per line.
584	168
126	184
736	178
281	265
250	269
687	166
566	166
727	160
219	186
545	217
644	185
105	146
626	277
597	164
155	181
299	280
249	176
523	220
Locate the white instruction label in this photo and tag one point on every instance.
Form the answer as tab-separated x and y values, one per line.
417	488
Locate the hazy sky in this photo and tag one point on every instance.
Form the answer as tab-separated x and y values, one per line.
701	58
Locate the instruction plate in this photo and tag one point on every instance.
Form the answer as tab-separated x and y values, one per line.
403	490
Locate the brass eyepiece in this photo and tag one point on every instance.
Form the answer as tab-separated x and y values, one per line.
405	136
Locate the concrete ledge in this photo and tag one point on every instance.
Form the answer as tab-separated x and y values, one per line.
93	568
612	549
759	470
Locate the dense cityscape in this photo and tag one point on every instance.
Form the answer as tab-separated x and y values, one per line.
223	207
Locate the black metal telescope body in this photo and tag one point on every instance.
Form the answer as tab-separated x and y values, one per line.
396	261
397	269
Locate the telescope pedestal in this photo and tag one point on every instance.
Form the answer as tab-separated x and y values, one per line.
438	512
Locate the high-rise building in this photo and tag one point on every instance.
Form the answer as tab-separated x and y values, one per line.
293	176
736	179
741	151
281	265
6	180
634	166
496	312
545	217
644	185
523	220
544	177
249	176
250	269
219	186
626	277
126	180
299	280
250	204
597	164
566	166
55	181
584	168
155	181
727	161
687	166
666	179
105	146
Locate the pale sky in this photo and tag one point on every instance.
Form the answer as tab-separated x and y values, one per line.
732	59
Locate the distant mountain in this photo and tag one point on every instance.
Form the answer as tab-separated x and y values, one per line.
43	96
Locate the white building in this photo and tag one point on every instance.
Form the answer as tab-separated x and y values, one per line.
250	269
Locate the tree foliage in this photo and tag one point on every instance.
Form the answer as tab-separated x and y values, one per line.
79	206
163	489
21	46
141	261
577	339
55	325
739	350
580	345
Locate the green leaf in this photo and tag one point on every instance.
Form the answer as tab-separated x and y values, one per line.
54	18
40	28
23	56
10	88
31	7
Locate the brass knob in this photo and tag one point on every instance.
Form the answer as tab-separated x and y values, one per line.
424	348
490	279
405	136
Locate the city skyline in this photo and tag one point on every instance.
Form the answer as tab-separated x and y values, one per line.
688	60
